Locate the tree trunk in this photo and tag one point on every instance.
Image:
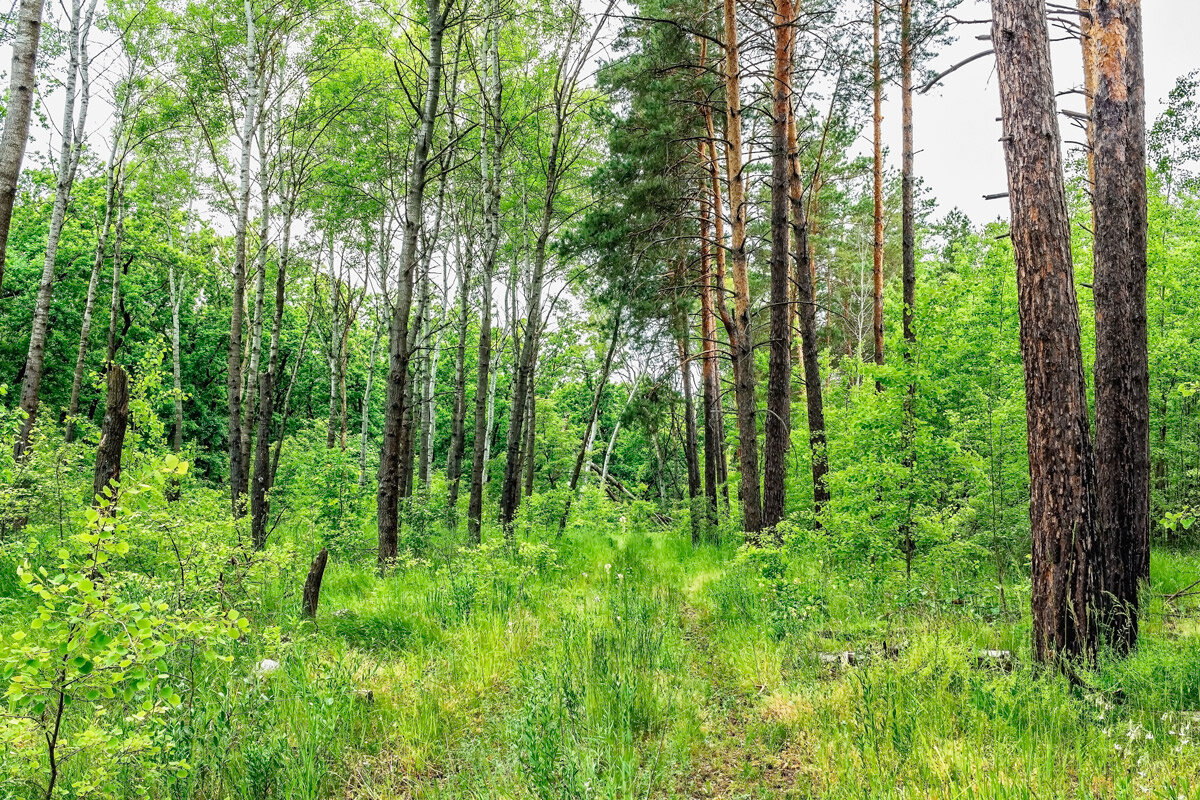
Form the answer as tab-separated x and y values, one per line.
590	434
22	76
1122	365
237	469
877	117
365	431
260	290
115	301
176	287
908	241
690	437
491	159
710	376
112	433
312	584
388	495
1062	507
68	161
809	354
778	427
458	416
529	451
743	342
93	283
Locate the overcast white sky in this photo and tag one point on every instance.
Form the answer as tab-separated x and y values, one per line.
957	138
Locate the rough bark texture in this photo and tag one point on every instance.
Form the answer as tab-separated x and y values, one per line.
22	76
908	278
1062	506
778	426
743	343
312	584
388	494
1122	368
877	119
710	376
112	432
810	355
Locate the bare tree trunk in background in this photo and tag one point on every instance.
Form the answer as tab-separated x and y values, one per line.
690	438
1062	508
388	495
778	427
112	432
491	158
710	376
260	290
22	77
809	353
908	246
237	469
89	306
743	343
68	161
1122	371
365	431
590	435
176	285
458	416
877	118
115	301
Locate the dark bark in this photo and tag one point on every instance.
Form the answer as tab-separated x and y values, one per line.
22	76
778	426
908	278
1122	372
877	174
710	376
810	356
1062	508
388	494
112	432
312	584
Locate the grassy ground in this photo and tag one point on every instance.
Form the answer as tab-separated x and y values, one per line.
621	662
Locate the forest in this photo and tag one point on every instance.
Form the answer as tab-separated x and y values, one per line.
556	399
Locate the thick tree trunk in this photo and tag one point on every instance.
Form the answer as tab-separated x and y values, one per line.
112	432
1122	367
1062	508
778	427
388	495
590	435
312	584
743	343
877	118
68	161
22	76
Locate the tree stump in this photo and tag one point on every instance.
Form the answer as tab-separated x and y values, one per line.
312	586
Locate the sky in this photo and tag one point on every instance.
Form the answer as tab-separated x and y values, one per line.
959	156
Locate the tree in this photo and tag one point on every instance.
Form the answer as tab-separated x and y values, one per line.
17	112
1062	504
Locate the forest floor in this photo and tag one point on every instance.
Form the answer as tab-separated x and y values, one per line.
622	662
631	665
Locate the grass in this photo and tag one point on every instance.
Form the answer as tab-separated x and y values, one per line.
623	663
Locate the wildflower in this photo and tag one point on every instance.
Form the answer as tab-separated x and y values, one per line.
585	576
620	576
608	567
